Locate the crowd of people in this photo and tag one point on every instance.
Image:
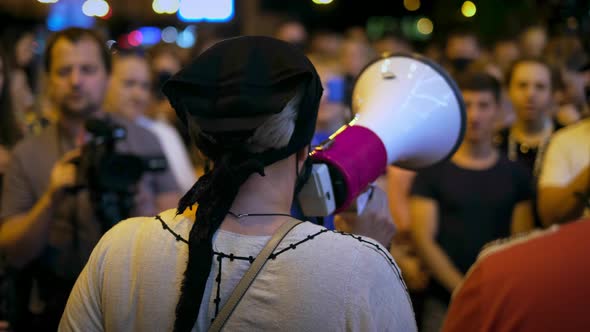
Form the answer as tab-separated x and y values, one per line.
523	164
521	172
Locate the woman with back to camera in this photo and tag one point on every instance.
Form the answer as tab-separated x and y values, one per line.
250	104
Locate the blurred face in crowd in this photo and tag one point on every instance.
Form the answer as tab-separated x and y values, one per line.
163	66
327	44
77	78
292	32
357	33
530	91
24	49
462	47
533	41
166	62
505	52
391	45
575	87
482	110
460	52
333	112
356	54
434	52
130	88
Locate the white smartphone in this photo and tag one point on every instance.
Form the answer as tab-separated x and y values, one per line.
317	195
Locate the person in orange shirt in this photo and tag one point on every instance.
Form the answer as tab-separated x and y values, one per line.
533	283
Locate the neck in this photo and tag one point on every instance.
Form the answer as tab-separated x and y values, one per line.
473	157
531	127
269	194
476	150
532	135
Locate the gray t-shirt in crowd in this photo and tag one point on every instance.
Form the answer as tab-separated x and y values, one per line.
75	230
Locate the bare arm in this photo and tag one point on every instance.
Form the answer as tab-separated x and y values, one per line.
4	158
413	271
399	183
424	212
559	204
23	236
522	218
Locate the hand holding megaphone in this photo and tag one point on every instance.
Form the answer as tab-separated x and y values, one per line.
409	113
374	221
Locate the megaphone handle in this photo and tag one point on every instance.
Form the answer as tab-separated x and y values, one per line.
358	155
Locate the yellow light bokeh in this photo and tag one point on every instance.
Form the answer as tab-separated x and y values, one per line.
412	5
468	9
425	26
322	2
157	8
165	6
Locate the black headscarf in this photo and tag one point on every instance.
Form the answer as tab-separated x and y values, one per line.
230	90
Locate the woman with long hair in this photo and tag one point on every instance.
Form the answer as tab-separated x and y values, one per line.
18	43
10	133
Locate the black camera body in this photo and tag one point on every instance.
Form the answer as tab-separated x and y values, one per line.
109	176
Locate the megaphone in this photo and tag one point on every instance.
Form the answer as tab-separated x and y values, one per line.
408	112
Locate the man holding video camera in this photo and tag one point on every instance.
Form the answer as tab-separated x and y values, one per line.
45	226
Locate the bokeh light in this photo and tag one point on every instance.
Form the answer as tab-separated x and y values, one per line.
468	9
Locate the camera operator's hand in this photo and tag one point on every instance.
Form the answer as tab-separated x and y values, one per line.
63	174
375	221
4	159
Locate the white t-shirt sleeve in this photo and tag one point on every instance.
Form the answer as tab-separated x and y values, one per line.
557	164
83	311
177	155
378	298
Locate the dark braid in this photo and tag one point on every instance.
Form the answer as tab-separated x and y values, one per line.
248	78
215	193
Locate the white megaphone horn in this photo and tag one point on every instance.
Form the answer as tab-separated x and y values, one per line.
409	113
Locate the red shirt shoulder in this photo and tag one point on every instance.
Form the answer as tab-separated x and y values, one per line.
537	282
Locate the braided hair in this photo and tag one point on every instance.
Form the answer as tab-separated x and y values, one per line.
248	102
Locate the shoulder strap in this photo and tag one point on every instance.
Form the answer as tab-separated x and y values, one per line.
251	274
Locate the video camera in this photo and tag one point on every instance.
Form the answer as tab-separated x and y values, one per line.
111	177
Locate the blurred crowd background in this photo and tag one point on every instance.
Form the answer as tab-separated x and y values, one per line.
536	51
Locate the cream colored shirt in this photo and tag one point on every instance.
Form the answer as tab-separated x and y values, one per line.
329	282
568	154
